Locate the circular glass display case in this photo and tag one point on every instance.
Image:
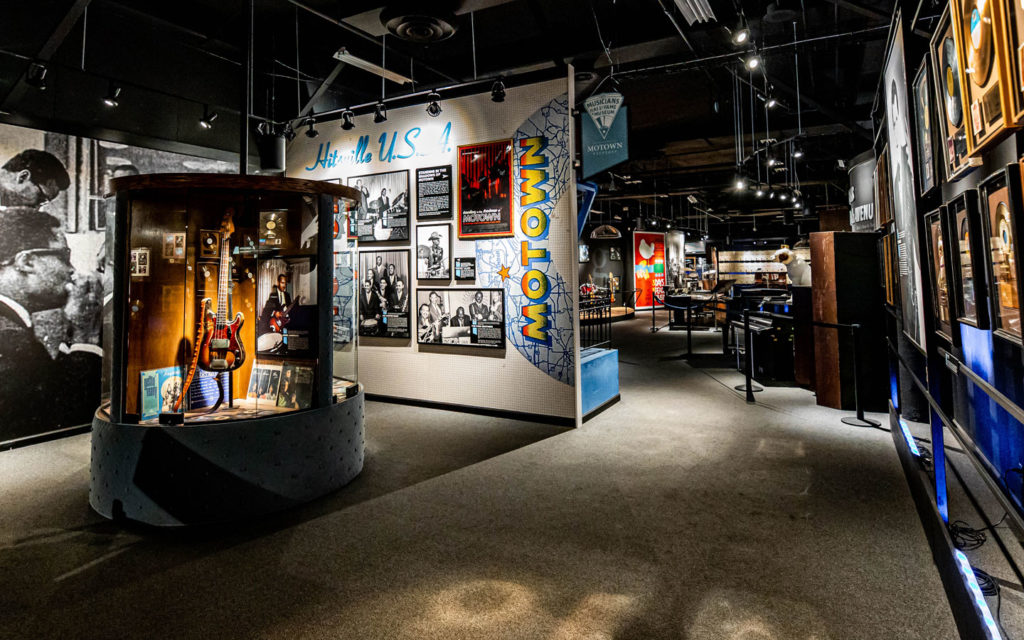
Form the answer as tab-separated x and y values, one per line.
233	359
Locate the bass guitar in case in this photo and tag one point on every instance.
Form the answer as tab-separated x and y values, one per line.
220	348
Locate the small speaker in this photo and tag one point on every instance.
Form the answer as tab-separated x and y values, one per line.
271	148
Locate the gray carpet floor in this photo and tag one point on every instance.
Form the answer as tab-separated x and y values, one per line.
680	512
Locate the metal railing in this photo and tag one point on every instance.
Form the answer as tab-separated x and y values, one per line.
595	322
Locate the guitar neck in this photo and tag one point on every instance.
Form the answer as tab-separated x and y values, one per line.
224	277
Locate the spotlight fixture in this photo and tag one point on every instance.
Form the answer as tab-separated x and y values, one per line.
770	101
753	62
783	197
36	76
798	152
433	107
740	182
311	132
771	161
798	205
113	95
206	121
380	113
346	120
288	132
498	91
771	195
759	193
740	35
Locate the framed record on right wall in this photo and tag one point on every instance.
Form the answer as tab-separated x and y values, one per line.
966	252
1009	15
1000	208
980	73
948	102
924	149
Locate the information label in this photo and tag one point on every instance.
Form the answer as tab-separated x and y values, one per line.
465	268
434	192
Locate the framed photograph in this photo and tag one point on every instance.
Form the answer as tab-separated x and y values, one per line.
968	269
464	317
948	101
485	190
890	269
980	73
938	279
384	293
434	192
927	168
898	124
584	253
434	252
1000	196
383	210
614	253
1009	15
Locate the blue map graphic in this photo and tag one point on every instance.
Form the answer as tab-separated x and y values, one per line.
556	360
344	286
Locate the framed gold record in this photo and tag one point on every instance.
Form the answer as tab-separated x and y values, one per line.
1009	32
981	72
950	126
1001	221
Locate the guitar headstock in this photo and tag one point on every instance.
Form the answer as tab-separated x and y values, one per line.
227	225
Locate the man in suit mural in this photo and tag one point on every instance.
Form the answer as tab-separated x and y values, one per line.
39	392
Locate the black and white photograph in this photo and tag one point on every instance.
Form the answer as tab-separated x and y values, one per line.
384	293
901	163
434	252
383	210
469	317
614	253
434	192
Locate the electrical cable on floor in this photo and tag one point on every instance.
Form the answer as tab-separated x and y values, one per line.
927	461
990	587
966	537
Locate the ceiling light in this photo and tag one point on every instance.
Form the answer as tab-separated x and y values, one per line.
36	76
113	95
433	107
208	118
753	62
759	192
498	91
343	55
783	197
740	183
692	199
798	152
771	101
771	161
380	113
346	120
798	205
311	132
771	195
741	35
289	132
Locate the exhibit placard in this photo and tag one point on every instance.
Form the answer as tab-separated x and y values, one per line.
465	268
434	192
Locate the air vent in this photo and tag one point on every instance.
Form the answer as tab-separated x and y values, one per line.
421	25
782	11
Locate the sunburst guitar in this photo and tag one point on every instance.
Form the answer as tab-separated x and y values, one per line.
221	347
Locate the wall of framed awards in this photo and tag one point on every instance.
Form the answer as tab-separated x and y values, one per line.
967	106
468	258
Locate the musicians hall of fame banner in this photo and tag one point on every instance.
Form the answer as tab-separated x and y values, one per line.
485	193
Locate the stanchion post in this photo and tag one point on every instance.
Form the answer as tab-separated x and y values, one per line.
746	355
859	420
689	328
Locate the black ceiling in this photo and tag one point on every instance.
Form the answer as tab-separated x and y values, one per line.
172	58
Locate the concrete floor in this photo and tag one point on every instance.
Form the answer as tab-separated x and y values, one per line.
681	512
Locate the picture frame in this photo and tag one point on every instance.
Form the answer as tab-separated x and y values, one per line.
890	280
938	272
584	251
981	73
384	311
485	190
968	268
460	316
883	200
1000	197
434	252
924	117
1009	29
948	100
434	193
382	214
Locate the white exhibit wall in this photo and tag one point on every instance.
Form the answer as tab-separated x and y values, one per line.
537	370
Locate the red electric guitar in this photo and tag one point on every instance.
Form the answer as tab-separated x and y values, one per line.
280	318
220	348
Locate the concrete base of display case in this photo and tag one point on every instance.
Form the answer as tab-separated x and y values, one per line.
218	472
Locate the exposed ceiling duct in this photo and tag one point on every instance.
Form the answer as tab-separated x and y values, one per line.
695	11
423	24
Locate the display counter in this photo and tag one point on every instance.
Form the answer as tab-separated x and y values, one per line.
234	388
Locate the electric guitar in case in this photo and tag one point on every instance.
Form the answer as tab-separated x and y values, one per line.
220	348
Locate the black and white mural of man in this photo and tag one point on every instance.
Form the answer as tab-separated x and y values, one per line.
903	188
60	182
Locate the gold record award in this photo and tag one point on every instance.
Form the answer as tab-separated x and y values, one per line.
980	73
952	131
1009	33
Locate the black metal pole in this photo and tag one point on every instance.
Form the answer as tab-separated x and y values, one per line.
243	118
746	355
689	327
859	420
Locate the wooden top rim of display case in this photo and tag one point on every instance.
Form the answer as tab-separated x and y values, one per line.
171	181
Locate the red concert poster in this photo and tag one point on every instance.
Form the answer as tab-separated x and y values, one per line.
649	268
485	190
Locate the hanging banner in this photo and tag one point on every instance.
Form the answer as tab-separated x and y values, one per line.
649	268
605	133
